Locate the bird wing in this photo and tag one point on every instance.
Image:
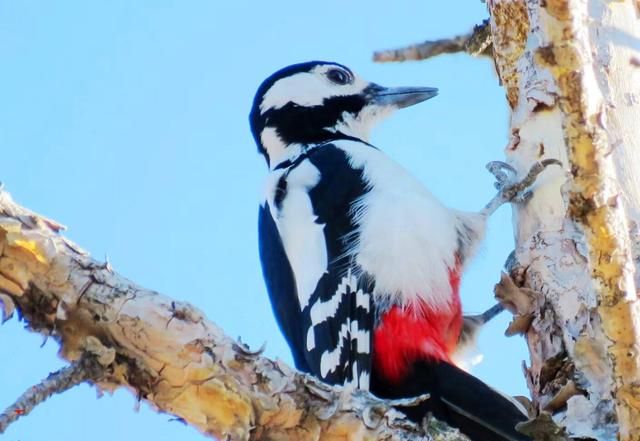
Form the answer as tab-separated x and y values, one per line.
281	285
321	301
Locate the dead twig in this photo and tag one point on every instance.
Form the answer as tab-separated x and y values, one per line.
86	368
476	43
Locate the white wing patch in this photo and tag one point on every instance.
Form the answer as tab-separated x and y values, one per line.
302	237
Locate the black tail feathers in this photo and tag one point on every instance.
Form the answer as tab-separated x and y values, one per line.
458	398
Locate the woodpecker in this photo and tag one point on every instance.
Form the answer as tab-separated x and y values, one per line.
362	263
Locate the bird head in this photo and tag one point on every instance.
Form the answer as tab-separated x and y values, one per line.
315	102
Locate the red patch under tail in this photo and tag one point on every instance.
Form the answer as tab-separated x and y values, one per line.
408	333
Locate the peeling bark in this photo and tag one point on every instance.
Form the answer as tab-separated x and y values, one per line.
567	67
170	355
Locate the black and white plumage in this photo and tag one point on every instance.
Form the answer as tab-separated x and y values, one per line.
311	191
332	307
361	262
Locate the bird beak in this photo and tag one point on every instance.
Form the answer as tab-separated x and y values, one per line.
399	97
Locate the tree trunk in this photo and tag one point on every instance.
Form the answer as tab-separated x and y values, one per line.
571	74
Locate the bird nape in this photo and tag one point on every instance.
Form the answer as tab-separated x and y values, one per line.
362	263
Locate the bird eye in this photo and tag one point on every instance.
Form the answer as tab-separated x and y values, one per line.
339	76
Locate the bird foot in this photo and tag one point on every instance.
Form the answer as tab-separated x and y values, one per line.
510	190
471	324
505	176
503	172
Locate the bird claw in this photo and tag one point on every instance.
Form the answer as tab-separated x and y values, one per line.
522	197
503	172
510	190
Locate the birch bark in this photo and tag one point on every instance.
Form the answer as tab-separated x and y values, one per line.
570	70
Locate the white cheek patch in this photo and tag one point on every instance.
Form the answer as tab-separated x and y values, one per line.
308	89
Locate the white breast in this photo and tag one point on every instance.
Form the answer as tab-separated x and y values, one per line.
407	238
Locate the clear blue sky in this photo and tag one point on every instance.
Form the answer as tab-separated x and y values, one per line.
127	121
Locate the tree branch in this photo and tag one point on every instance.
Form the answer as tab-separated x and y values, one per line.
169	354
476	43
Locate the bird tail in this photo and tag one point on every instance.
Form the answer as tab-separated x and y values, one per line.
461	400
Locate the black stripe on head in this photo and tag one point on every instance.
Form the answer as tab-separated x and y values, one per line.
259	121
308	125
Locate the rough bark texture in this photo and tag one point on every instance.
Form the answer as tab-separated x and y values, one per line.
167	353
571	83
